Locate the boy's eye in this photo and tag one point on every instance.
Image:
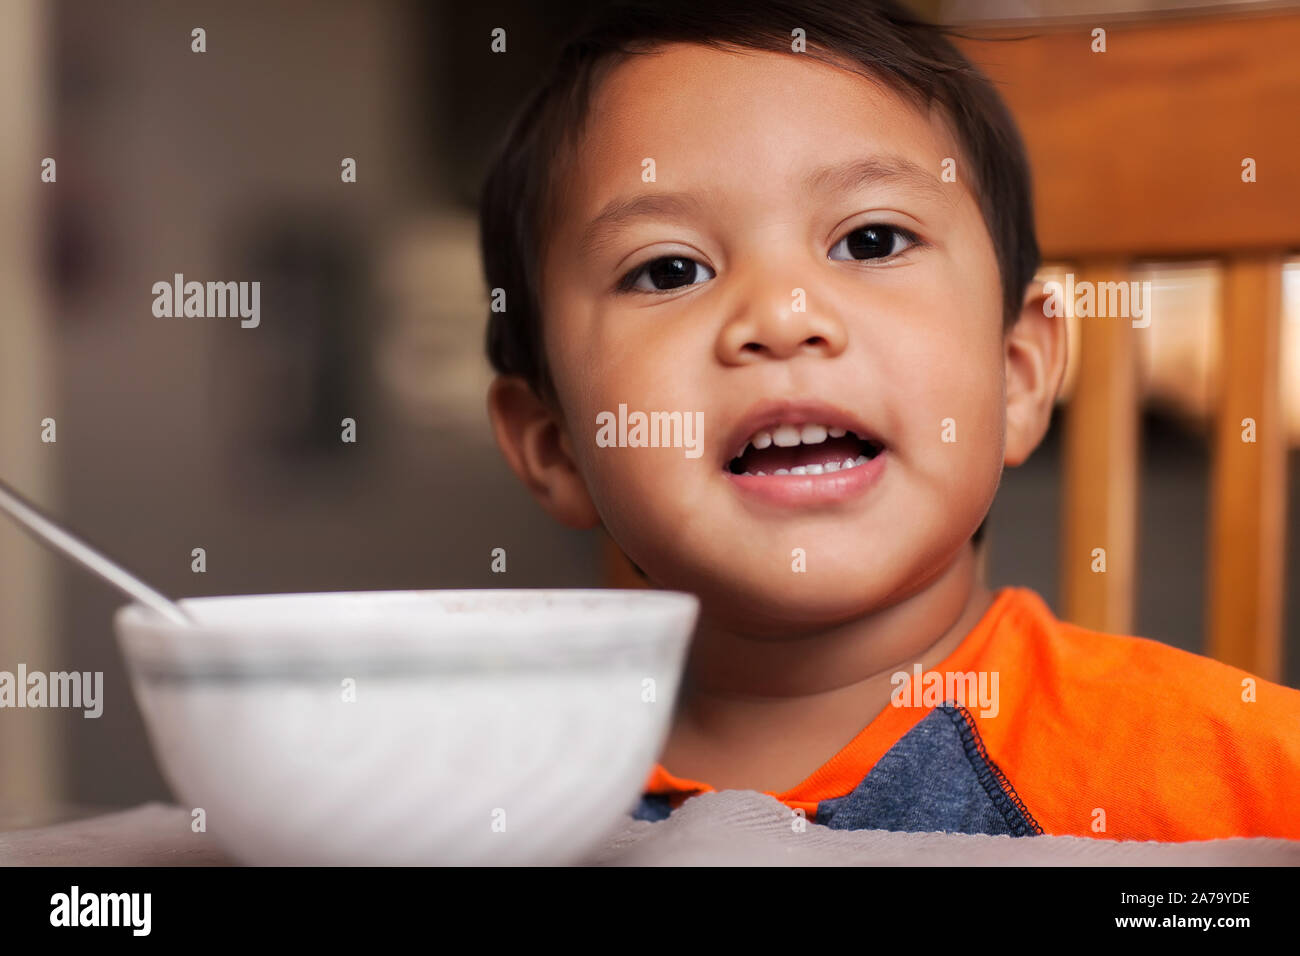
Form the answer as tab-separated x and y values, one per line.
663	275
666	273
874	241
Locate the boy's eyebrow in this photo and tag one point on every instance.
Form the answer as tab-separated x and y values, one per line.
840	177
845	177
619	212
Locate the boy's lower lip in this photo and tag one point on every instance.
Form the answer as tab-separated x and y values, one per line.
796	490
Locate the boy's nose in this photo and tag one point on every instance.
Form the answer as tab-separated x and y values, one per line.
770	327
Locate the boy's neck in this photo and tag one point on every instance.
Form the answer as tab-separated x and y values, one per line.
729	662
747	701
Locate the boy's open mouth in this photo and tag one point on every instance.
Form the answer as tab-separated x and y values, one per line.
805	449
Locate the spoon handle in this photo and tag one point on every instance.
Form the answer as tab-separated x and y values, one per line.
47	531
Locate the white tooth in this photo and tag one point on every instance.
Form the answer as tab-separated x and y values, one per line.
836	432
814	469
849	462
798	470
860	460
832	466
813	434
785	436
761	440
781	471
760	473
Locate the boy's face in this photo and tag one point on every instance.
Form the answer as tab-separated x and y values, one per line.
776	304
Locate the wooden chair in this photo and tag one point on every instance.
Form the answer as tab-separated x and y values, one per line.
1137	154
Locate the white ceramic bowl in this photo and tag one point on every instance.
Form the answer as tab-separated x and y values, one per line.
410	727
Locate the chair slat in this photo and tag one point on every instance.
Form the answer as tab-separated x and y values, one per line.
1248	484
1100	469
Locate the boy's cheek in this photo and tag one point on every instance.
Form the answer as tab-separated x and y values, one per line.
951	432
640	481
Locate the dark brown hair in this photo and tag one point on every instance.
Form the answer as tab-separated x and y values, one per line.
879	38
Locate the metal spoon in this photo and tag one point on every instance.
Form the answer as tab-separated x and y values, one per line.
47	531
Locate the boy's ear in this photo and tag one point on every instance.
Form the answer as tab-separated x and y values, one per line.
532	438
1035	352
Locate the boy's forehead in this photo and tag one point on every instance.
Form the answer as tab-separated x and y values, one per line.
709	118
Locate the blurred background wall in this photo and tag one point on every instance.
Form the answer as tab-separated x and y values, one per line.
176	434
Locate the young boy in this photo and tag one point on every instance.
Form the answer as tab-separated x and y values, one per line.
808	227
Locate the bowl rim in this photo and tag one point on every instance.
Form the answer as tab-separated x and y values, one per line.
567	626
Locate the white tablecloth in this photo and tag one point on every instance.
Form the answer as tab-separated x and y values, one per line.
735	827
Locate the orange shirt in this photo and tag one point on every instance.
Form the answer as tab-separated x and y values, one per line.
1096	735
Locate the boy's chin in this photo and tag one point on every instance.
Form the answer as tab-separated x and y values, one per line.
798	607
